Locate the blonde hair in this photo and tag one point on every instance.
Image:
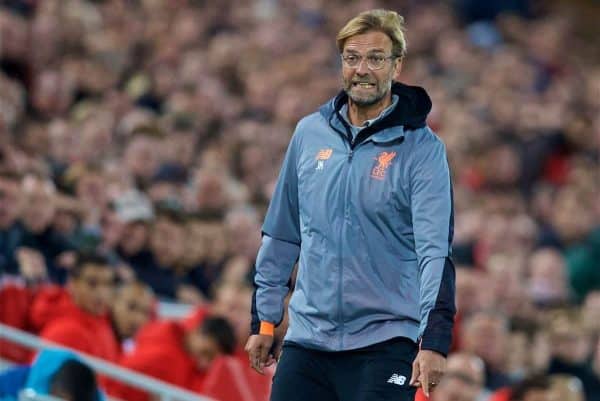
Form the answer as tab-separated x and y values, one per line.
386	21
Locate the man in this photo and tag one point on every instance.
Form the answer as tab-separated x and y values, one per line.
570	352
486	334
78	317
54	372
172	352
134	306
364	202
37	215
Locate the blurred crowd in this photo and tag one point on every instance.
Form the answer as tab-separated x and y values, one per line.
140	142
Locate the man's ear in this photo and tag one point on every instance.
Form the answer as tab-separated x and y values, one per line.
397	69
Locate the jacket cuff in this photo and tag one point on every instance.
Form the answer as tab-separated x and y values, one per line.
267	329
440	345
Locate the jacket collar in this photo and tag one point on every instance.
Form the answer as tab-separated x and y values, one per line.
410	113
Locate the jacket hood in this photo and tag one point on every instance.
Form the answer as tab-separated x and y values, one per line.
413	107
165	335
45	366
48	304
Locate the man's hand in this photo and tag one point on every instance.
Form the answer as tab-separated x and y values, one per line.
258	347
32	265
427	371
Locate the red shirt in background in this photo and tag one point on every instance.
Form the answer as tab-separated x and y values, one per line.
56	317
159	352
15	300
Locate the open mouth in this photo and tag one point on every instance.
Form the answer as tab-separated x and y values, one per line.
363	85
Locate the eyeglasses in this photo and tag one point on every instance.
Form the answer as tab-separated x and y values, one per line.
374	61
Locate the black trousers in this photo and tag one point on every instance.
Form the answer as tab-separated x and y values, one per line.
376	373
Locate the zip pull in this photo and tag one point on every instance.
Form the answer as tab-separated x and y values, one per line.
351	153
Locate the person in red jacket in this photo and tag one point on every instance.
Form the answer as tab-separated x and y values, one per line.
15	298
133	307
175	353
78	316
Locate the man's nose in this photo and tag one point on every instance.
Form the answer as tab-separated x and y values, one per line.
362	68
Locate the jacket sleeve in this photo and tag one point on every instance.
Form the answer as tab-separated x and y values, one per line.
280	246
432	216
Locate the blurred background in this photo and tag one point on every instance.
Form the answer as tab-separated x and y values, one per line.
151	132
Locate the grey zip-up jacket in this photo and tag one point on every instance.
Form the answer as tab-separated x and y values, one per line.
370	222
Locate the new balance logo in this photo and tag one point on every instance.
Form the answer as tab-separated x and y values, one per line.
397	379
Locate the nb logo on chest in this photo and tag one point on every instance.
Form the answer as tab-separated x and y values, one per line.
324	154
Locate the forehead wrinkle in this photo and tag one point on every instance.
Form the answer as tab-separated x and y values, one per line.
373	49
373	41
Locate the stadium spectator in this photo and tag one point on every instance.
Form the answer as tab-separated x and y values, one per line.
571	349
233	301
485	334
78	316
167	246
548	284
39	208
132	308
127	229
54	372
178	355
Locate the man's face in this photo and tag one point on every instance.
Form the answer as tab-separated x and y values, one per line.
141	156
39	205
93	289
364	86
486	337
134	237
168	242
132	309
202	348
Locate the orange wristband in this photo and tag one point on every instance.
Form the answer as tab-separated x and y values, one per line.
267	329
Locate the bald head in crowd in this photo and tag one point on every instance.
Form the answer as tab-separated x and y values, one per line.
463	380
468	365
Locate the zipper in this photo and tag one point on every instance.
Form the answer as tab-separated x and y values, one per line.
341	246
351	153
